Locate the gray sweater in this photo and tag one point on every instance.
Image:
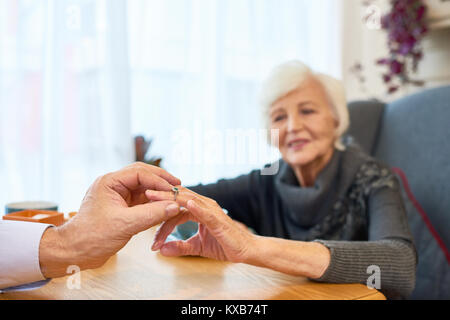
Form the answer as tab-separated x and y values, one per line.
355	209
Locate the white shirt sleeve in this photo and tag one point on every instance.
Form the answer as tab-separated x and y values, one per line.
19	254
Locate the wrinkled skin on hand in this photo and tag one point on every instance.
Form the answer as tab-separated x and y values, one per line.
219	237
113	210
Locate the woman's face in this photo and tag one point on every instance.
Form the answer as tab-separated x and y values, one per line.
306	124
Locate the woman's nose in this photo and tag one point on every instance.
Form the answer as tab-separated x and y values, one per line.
295	123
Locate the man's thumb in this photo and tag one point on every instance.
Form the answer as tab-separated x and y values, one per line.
145	216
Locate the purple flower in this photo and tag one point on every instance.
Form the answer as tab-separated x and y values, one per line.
396	67
407	46
392	89
406	26
421	12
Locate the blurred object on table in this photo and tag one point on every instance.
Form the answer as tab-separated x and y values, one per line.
39	216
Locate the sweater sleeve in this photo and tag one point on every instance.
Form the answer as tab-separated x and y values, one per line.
390	249
238	196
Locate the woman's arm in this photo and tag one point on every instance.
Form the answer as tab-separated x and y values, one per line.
222	238
298	258
390	248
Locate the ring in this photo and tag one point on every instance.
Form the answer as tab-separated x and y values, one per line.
176	191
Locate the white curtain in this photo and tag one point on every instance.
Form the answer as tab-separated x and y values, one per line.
64	97
79	78
196	70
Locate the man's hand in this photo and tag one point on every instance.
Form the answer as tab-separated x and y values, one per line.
113	210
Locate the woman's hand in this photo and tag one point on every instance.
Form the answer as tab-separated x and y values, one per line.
221	238
218	237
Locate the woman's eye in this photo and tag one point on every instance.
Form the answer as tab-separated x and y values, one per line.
307	111
278	118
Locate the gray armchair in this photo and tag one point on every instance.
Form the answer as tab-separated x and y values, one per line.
412	135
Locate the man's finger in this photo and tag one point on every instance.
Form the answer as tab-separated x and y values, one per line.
167	176
139	177
145	216
155	170
182	198
128	180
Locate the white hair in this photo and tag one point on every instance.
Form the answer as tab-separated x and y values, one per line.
290	76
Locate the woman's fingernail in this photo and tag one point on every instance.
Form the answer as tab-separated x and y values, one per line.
156	245
172	209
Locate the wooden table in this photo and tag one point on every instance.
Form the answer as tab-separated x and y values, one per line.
136	272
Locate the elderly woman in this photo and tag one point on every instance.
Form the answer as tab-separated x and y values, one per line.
331	213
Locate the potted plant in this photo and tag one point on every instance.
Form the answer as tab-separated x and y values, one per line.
141	149
406	26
